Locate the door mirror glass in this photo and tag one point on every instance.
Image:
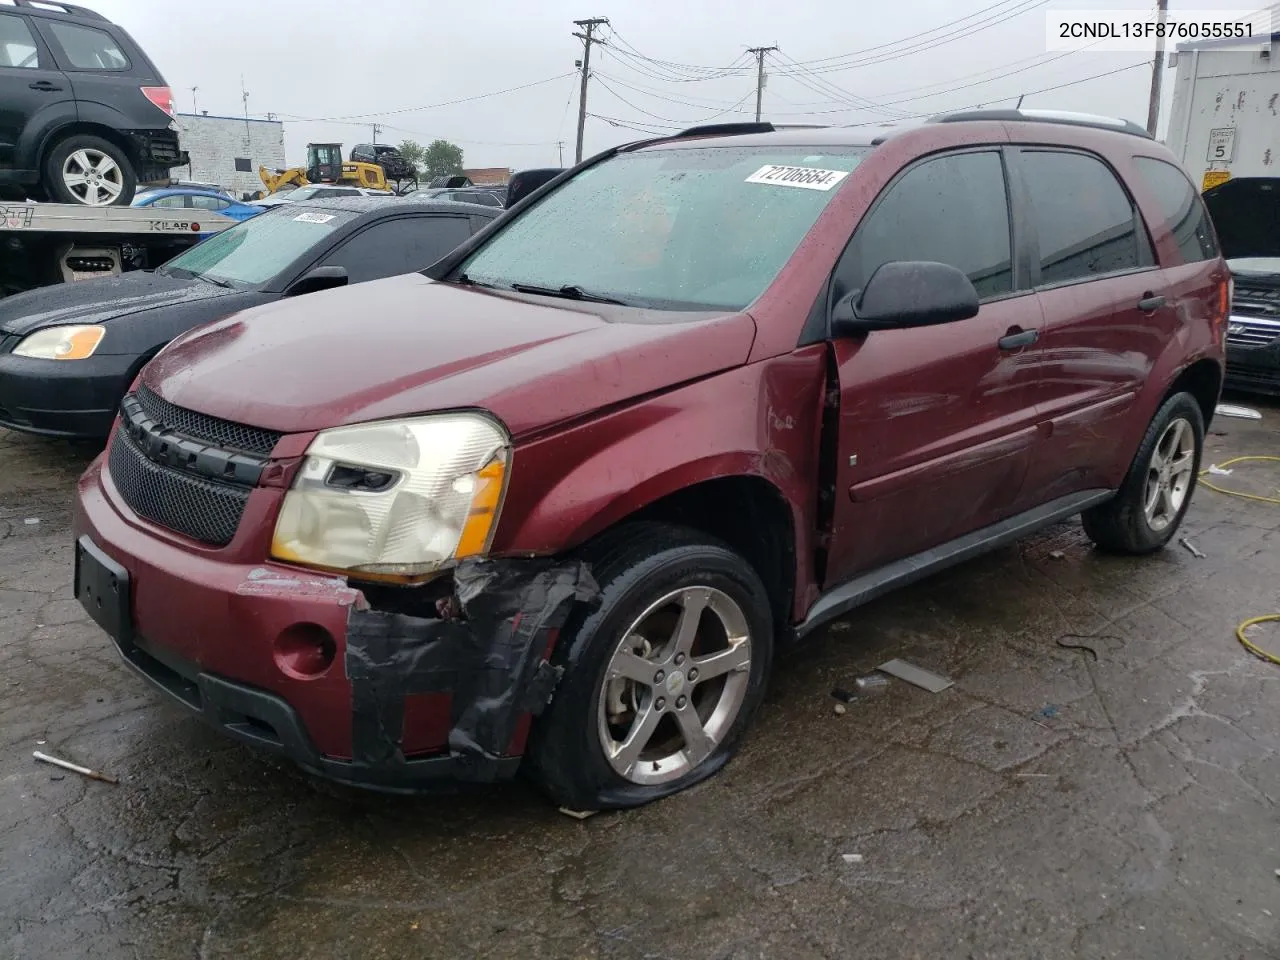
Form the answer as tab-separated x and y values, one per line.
906	293
321	278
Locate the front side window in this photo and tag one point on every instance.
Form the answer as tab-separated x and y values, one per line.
87	48
17	45
1086	224
953	210
258	249
675	228
1184	213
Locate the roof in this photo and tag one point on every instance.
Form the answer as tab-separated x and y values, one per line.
867	135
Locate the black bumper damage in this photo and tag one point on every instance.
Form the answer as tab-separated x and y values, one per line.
490	652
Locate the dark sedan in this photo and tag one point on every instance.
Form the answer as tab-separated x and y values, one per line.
69	352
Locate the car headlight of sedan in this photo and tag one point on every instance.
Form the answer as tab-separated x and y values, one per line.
396	500
61	343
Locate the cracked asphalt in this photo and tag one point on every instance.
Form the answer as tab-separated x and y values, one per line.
1049	805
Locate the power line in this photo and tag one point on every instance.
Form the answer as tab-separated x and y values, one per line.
429	106
676	123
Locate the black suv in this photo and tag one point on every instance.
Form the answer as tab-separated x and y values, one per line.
84	115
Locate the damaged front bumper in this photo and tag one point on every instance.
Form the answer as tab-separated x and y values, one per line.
396	702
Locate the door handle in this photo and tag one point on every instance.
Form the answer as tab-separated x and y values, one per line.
1150	303
44	86
1015	339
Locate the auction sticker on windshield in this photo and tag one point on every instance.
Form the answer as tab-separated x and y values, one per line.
809	178
314	217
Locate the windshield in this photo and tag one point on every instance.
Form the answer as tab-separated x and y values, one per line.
256	250
698	228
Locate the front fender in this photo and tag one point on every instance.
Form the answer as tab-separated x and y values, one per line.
757	421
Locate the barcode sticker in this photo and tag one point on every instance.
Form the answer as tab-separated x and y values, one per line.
808	178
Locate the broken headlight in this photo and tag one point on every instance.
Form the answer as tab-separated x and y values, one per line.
398	499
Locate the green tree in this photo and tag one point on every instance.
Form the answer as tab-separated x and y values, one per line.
415	153
441	159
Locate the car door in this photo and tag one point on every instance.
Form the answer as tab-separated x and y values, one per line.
1106	316
400	245
31	86
936	424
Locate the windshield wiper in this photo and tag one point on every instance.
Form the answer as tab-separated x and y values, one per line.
568	292
216	283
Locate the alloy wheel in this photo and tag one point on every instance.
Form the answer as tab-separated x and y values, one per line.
1169	474
675	685
92	177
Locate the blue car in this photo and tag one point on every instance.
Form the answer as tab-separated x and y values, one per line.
193	198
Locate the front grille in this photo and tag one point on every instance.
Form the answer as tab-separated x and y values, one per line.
206	511
1248	332
198	426
1258	301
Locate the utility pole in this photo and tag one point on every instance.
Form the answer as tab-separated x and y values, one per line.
376	130
760	52
1157	70
587	37
195	107
560	147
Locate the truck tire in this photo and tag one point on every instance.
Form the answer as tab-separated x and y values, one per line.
89	171
661	677
1156	492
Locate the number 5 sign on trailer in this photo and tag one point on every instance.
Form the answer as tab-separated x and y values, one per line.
1222	144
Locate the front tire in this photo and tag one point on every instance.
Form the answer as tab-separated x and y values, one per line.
1155	495
89	171
662	677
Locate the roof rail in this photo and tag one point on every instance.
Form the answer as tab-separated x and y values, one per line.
56	6
727	129
1046	116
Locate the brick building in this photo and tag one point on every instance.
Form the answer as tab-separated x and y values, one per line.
228	150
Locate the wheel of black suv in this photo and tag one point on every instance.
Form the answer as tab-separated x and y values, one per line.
662	677
90	171
1147	511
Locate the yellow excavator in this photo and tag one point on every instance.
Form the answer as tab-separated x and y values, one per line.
325	165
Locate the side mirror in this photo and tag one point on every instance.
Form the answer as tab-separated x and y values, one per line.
906	293
321	278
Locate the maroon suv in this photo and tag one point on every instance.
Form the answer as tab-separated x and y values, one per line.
556	501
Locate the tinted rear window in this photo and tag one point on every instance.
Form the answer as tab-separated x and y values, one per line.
1184	212
1086	224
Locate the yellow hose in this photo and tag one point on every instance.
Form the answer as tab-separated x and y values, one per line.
1236	493
1249	645
1252	647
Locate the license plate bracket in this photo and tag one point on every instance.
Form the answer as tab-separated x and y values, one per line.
102	587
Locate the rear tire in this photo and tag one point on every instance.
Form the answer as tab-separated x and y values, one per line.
1155	495
623	728
89	171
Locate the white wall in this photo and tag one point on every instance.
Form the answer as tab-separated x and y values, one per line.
216	142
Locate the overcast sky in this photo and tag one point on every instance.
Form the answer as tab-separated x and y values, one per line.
390	59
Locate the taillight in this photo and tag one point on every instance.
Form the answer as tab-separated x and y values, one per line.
162	97
1222	313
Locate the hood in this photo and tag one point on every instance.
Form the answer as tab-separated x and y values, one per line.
410	345
1246	214
1255	267
100	301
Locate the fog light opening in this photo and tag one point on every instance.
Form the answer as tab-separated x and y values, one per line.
304	651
